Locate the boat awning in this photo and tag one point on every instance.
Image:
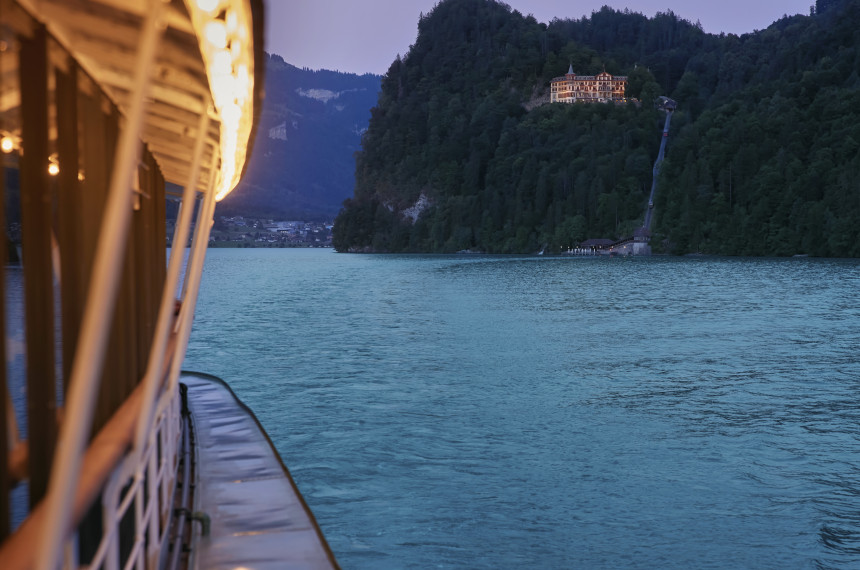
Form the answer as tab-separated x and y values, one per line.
209	60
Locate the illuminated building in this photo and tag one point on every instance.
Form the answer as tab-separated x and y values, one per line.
600	88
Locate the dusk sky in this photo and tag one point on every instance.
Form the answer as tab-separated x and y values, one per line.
361	36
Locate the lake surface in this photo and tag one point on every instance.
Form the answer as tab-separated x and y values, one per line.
522	412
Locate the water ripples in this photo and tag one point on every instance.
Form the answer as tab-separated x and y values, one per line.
503	412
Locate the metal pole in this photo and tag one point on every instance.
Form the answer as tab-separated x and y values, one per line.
110	518
4	431
192	279
68	210
154	367
198	230
36	219
89	356
5	497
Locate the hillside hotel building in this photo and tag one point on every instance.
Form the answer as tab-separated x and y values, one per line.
600	88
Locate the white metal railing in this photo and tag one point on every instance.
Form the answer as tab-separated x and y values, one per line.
152	503
148	470
143	476
101	297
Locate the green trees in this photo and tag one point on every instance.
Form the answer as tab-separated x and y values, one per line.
780	150
763	157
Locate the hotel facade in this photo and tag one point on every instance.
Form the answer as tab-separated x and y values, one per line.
600	88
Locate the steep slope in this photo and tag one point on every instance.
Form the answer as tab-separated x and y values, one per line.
303	163
452	160
771	167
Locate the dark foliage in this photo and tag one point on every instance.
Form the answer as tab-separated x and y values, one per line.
763	157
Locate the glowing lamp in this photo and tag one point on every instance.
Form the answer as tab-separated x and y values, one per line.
232	21
7	145
222	63
208	6
225	42
216	33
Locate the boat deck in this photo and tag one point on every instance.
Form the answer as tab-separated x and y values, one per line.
258	518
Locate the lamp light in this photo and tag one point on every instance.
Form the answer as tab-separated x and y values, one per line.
208	6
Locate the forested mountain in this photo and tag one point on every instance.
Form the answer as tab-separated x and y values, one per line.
762	159
303	162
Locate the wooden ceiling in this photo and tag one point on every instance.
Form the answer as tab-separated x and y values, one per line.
102	35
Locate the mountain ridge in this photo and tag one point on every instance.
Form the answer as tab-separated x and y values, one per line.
310	127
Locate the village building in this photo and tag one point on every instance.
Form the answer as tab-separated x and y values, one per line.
641	239
600	88
599	246
637	244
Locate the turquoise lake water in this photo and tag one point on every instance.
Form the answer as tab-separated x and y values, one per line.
523	412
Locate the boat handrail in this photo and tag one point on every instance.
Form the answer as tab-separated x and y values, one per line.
103	288
129	468
104	461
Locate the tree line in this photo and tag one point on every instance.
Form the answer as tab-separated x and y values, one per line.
762	157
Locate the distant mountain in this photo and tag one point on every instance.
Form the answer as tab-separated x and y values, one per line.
763	156
303	162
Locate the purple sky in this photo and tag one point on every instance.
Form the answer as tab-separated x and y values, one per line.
363	36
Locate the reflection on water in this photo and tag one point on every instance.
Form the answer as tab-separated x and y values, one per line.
16	367
15	344
504	412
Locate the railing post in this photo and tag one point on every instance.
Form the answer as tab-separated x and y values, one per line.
4	390
153	525
70	552
110	523
153	376
68	210
155	365
193	276
89	356
36	223
139	512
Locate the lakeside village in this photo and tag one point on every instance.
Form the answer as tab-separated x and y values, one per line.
240	231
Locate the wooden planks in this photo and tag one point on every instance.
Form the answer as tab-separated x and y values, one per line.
36	251
5	514
68	212
4	391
